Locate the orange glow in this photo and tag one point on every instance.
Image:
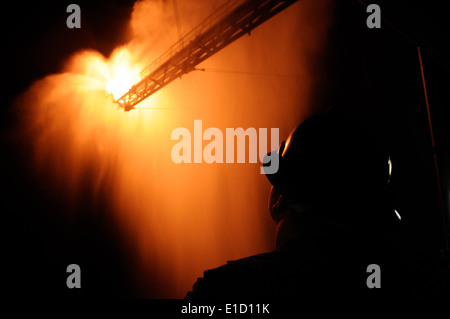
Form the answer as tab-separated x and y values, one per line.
122	75
177	219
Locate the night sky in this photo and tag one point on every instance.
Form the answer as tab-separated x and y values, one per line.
374	74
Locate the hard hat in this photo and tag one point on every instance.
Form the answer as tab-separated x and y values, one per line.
329	161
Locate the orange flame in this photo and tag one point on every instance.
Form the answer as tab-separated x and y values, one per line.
122	74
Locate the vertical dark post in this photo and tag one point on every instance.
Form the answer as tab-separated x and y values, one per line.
433	145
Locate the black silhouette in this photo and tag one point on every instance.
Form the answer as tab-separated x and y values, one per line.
331	205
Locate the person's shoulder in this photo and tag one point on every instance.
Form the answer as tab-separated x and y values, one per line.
238	278
251	263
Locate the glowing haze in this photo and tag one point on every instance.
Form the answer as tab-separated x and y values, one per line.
177	219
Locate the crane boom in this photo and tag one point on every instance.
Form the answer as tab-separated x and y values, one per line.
228	23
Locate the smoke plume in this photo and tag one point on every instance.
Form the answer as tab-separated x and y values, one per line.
177	219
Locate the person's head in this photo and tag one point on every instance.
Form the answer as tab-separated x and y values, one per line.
330	167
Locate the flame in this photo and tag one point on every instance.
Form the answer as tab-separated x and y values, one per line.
122	73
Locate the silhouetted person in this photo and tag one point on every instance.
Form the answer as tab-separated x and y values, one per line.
331	207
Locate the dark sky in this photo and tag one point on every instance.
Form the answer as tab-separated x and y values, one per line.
37	40
377	72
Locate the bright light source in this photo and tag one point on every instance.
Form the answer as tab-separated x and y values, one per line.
398	215
122	74
390	166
